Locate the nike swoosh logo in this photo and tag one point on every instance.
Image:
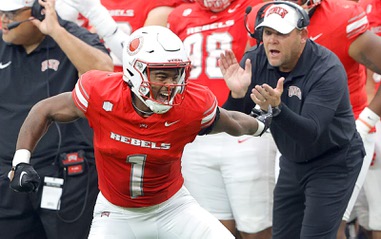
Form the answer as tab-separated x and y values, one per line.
21	175
240	141
5	65
166	124
316	37
231	10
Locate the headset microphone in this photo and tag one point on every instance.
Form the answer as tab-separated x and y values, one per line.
247	11
16	24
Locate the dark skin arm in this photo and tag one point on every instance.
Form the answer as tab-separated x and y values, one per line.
235	123
59	108
366	50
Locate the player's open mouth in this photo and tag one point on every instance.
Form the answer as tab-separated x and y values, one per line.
163	97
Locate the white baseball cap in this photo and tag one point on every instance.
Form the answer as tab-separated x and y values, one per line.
11	5
280	17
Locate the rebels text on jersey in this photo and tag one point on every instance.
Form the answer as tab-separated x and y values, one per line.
207	34
138	159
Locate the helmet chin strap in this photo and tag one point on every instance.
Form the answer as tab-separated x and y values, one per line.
147	113
156	107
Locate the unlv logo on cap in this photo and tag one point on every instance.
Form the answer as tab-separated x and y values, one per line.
278	10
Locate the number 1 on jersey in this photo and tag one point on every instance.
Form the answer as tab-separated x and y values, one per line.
137	162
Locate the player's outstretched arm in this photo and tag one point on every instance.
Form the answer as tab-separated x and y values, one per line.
60	108
236	123
366	50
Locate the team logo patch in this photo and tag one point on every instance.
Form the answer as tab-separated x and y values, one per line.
50	64
105	214
187	12
135	45
107	106
295	91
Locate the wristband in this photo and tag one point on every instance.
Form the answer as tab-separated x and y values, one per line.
21	156
261	127
368	119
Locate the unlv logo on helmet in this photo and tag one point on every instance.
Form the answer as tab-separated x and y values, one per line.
135	45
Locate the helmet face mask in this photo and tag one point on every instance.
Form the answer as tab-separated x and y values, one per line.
158	89
215	5
156	49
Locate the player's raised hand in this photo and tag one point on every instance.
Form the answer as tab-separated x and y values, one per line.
236	78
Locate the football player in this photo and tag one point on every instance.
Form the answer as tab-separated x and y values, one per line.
142	120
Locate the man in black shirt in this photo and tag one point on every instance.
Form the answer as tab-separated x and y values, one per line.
41	56
313	125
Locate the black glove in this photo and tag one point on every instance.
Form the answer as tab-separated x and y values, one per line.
263	117
25	178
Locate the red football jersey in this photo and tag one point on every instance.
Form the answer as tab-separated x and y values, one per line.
205	35
335	24
139	159
373	11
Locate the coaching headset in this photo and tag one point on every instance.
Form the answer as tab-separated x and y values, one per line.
303	20
36	13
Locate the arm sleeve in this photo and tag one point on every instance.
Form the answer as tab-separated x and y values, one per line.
82	90
209	129
311	122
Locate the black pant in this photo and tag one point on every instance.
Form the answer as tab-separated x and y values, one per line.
22	217
310	198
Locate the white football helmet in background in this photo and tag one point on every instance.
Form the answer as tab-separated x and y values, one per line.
215	5
155	47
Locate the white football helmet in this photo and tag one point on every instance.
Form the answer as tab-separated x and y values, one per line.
155	47
215	5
